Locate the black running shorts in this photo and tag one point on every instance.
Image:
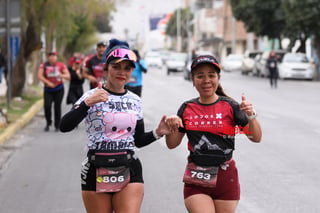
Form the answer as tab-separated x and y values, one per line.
88	174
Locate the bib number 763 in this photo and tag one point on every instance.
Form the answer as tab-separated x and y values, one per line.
202	176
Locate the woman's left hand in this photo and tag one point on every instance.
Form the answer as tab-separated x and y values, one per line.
246	106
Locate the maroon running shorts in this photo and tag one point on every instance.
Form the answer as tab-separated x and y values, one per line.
227	188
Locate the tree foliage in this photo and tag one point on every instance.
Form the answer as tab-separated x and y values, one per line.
303	21
264	18
71	23
185	27
295	19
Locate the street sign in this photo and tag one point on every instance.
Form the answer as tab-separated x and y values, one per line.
14	17
14	47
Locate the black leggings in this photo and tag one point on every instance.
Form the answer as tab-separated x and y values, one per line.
56	98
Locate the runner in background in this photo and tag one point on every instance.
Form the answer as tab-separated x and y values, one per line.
94	67
76	55
51	73
135	83
75	87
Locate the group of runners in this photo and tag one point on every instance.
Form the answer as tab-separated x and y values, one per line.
111	174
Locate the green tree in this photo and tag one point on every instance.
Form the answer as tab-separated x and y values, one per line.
303	21
68	22
295	19
185	27
264	18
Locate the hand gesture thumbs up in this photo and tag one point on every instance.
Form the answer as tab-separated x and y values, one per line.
243	97
245	105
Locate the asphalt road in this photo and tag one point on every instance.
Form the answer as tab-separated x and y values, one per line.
279	175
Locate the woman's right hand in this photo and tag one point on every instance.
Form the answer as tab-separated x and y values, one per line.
100	95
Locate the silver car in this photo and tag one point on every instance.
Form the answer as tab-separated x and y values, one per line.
296	66
248	62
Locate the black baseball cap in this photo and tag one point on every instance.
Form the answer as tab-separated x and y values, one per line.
205	59
102	43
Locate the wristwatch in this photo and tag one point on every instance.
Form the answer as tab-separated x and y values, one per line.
254	115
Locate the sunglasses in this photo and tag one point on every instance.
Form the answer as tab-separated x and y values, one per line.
122	53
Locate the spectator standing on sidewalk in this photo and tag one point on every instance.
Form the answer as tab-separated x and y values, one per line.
51	73
94	67
3	64
135	82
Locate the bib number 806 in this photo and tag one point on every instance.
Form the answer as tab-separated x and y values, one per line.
113	179
200	175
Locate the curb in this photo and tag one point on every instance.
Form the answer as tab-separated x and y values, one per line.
21	122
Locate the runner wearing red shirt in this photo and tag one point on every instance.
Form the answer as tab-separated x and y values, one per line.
52	73
94	66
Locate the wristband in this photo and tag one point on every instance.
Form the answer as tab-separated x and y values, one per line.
155	135
253	116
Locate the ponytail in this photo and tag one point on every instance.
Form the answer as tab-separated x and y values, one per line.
220	91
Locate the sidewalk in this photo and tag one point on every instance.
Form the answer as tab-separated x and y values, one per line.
3	87
18	124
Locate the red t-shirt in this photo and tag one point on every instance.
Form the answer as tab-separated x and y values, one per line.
52	72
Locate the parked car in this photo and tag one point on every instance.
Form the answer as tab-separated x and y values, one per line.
176	62
165	54
232	62
248	61
261	68
153	59
187	70
255	70
296	66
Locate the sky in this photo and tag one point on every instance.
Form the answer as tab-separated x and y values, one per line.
133	16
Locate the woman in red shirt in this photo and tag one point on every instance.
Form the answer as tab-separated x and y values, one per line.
210	123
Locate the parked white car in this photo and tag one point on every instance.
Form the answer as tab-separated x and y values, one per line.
153	59
296	66
232	62
176	62
248	62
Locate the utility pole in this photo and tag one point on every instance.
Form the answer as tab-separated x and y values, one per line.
179	29
8	34
234	34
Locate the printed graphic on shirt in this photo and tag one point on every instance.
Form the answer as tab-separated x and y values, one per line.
111	125
53	72
205	144
207	125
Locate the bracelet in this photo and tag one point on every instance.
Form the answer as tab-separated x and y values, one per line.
253	116
155	135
